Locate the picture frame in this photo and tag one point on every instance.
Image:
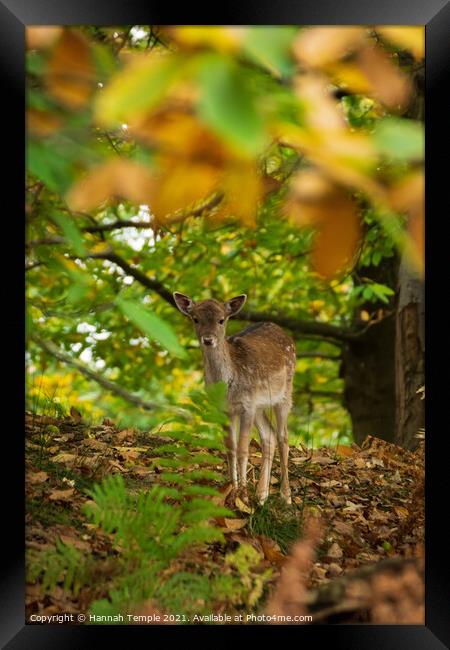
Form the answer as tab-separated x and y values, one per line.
15	15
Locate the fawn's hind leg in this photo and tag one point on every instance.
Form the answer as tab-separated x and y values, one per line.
268	442
281	414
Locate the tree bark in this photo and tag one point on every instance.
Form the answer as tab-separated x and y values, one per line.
368	366
369	382
409	358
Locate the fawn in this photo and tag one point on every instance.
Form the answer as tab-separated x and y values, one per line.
258	364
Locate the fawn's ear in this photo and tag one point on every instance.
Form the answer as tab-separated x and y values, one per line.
234	305
184	303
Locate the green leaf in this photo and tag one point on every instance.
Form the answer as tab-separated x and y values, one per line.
47	164
153	326
71	232
271	47
228	105
400	139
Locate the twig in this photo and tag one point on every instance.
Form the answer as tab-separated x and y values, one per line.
53	350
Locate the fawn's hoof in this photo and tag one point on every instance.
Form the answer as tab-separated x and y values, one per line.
286	498
242	493
262	498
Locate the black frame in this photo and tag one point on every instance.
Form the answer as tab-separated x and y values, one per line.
435	15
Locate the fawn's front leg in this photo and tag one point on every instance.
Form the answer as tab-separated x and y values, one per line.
231	444
245	427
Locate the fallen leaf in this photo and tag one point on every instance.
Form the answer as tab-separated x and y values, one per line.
334	569
335	552
62	495
344	451
243	507
75	414
35	478
271	550
65	458
230	524
71	540
343	528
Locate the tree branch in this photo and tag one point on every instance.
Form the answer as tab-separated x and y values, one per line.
54	351
298	326
318	355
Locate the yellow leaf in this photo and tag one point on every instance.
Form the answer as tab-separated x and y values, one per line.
222	38
136	89
243	190
243	507
411	38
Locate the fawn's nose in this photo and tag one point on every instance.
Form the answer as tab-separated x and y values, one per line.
208	340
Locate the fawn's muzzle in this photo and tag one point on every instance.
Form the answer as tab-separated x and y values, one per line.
208	340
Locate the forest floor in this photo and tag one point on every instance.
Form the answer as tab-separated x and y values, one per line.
370	501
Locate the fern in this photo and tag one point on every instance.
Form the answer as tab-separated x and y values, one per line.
63	563
151	529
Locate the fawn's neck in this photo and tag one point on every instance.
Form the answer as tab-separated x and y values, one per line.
217	363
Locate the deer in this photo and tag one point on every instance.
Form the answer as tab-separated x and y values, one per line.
258	365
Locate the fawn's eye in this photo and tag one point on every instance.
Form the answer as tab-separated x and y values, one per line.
222	320
195	319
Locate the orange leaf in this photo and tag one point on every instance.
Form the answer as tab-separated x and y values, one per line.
387	82
408	196
180	184
39	37
115	179
43	123
71	72
35	478
344	450
318	46
328	207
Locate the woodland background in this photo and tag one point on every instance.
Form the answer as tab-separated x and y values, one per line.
281	162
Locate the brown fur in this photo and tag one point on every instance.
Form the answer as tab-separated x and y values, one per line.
258	364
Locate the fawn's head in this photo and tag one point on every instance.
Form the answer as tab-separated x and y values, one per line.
209	316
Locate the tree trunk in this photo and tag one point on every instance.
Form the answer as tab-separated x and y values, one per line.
409	358
369	381
368	365
383	370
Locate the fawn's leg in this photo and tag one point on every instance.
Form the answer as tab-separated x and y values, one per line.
231	444
281	414
245	427
268	442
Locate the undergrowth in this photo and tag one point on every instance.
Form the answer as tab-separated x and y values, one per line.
155	532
